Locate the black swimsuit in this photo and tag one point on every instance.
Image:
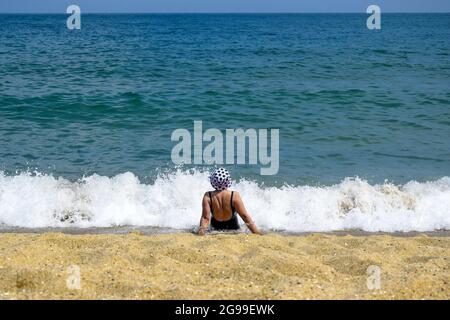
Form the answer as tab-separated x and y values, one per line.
231	224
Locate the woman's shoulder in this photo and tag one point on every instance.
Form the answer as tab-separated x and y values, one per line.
214	192
209	193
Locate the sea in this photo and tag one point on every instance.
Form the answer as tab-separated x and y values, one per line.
87	117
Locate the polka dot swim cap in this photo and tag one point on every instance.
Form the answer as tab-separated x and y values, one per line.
220	179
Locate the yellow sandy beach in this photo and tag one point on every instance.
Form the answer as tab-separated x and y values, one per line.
185	266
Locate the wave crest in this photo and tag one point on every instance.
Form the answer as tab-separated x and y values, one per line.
174	201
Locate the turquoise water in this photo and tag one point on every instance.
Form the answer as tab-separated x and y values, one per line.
86	118
348	101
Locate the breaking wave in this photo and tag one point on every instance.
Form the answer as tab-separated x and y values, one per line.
174	201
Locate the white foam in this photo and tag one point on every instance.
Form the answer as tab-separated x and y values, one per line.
174	201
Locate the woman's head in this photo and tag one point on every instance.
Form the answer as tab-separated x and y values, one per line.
220	179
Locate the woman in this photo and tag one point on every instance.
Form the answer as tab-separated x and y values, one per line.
222	205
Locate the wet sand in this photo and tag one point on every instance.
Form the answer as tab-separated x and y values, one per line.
222	266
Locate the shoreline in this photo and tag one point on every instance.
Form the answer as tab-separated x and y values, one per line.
222	266
157	230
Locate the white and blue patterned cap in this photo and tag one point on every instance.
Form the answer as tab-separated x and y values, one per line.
220	179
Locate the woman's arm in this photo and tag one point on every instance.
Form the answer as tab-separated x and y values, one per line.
206	215
240	208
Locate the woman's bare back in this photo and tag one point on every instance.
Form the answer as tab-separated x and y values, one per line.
221	205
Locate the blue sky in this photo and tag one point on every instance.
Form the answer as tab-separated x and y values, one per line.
117	6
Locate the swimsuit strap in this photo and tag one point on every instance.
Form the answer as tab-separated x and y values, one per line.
210	198
231	202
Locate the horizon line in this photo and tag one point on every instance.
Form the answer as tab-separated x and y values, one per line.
233	12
